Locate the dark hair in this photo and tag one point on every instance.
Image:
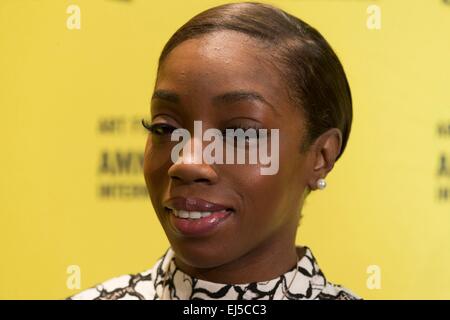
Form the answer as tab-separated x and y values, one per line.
315	77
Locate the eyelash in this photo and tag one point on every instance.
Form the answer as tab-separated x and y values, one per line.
224	132
168	129
152	128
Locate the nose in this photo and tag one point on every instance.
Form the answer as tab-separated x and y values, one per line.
186	170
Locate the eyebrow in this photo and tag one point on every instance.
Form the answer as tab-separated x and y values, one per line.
224	98
166	95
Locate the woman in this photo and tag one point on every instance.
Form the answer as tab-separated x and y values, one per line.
231	228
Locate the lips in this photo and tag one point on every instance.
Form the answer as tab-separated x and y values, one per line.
195	216
194	204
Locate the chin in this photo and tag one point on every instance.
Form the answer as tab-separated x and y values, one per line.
199	253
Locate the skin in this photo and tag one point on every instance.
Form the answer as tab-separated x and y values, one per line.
262	230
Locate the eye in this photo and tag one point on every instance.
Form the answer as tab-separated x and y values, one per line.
159	129
246	134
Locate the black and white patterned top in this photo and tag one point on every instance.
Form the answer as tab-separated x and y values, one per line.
166	281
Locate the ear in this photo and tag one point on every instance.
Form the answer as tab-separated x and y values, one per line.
324	152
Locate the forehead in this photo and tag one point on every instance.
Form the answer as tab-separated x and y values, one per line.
221	61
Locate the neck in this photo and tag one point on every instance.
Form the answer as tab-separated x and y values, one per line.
265	262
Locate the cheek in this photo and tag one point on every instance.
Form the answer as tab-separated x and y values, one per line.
269	201
156	164
156	156
263	197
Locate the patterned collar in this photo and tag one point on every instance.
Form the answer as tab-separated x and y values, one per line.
309	282
166	281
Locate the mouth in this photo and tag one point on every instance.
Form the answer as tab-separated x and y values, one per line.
196	217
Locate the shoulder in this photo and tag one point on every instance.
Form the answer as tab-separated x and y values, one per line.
325	290
139	286
336	292
126	287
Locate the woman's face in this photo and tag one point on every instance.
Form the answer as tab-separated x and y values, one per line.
262	210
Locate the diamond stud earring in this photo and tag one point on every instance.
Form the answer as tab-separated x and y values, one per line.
321	184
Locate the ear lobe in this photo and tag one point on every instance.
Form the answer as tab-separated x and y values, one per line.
318	162
326	149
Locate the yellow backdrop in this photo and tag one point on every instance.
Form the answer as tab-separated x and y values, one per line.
76	76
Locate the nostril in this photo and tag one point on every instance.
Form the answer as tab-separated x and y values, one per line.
175	178
202	180
192	173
